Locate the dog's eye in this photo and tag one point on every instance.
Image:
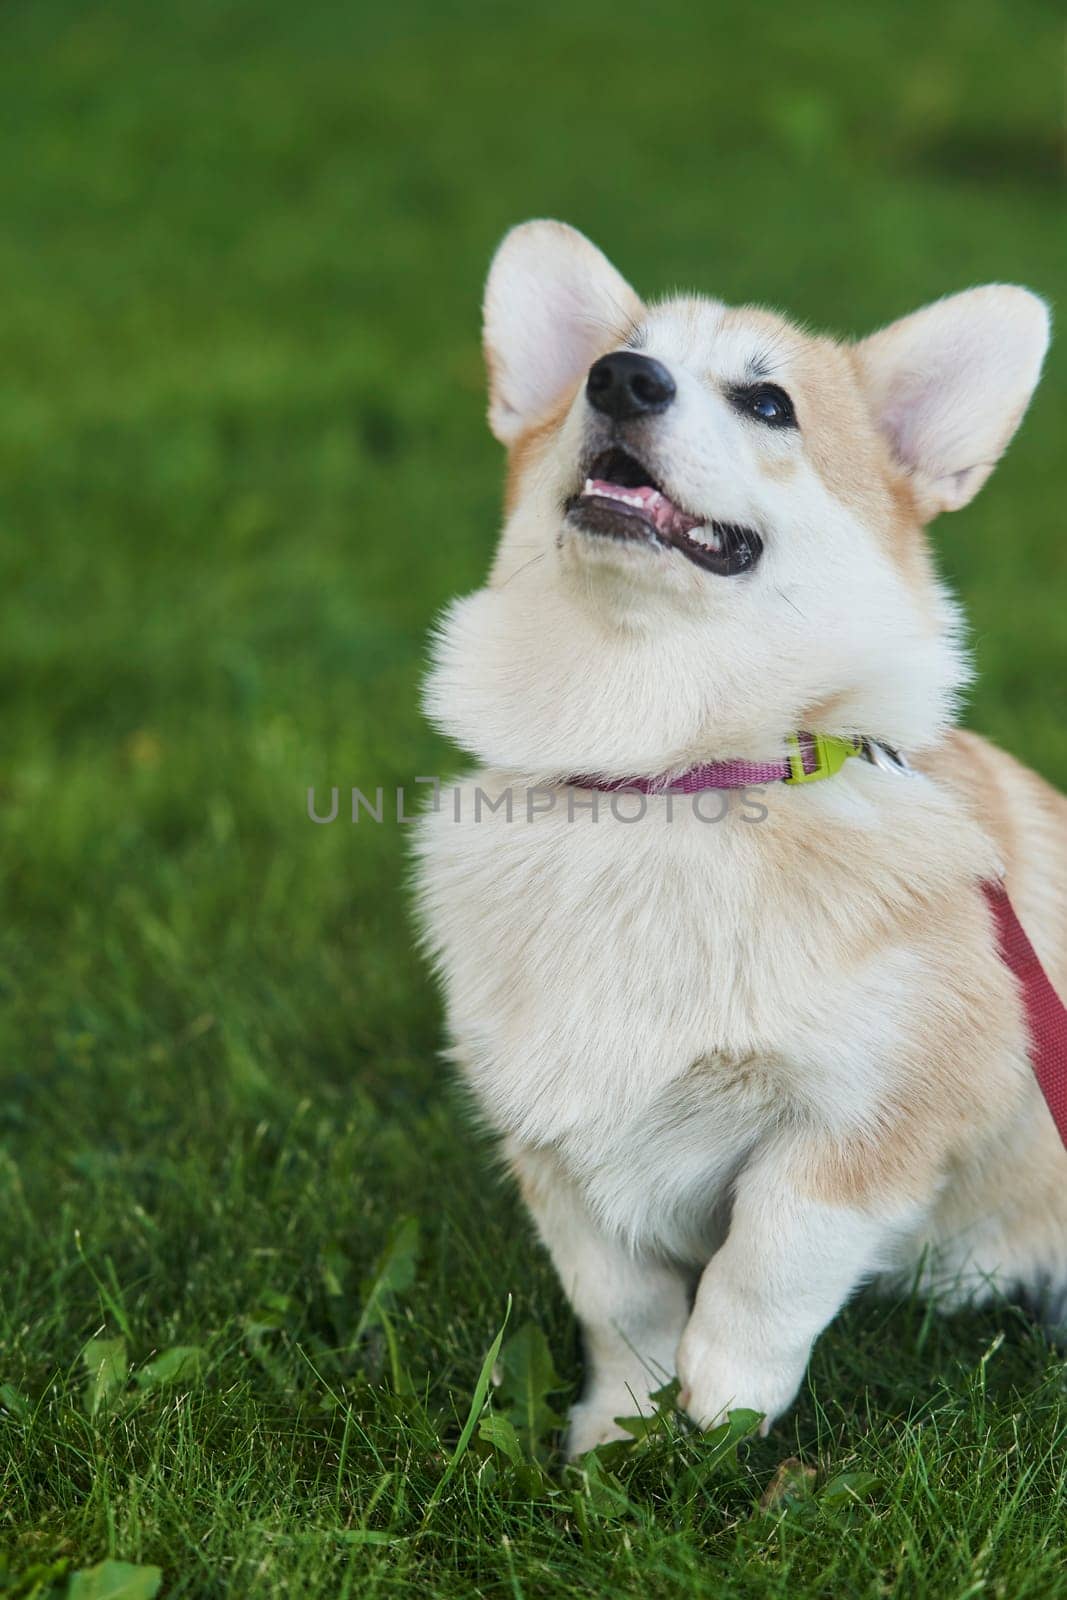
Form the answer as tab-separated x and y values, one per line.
766	403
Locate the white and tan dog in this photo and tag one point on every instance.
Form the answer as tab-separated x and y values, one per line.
740	1068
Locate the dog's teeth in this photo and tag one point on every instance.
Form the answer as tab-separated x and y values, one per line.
610	491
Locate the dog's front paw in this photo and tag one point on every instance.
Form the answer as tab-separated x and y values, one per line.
592	1422
717	1377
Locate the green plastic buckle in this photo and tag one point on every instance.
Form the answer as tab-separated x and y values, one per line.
830	756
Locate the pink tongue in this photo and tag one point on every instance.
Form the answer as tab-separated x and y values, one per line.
664	515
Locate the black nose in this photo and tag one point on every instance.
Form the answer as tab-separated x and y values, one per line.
627	385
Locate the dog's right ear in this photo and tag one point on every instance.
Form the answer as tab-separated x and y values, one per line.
553	303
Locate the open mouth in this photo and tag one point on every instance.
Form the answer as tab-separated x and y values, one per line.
620	499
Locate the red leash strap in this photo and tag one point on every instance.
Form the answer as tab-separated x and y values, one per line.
1045	1011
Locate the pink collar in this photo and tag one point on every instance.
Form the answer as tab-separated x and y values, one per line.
811	756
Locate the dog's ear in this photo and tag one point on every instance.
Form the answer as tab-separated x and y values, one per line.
949	386
553	303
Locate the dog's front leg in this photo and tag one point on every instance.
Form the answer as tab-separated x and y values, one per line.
632	1308
792	1257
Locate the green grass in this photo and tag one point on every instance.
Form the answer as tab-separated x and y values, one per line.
242	464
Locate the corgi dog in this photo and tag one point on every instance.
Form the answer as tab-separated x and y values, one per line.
743	1051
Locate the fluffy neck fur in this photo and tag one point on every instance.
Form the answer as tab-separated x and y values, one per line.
535	676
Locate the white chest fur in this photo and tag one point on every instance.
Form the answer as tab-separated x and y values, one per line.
651	997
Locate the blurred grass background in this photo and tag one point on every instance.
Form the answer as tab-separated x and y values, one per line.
242	464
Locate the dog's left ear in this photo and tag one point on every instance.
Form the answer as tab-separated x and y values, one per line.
949	386
553	303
